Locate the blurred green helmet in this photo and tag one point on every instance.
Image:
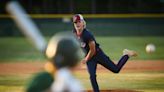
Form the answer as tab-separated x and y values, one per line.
64	50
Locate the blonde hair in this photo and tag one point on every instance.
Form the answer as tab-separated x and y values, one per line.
85	24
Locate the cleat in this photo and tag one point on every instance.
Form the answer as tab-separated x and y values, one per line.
130	53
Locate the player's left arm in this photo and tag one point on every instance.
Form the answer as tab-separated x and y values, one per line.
91	52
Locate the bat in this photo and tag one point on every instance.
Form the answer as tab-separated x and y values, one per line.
26	25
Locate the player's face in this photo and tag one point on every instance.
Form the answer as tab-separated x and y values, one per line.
79	25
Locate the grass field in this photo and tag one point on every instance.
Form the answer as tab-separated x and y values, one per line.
18	50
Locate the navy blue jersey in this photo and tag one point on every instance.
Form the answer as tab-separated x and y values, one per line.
85	38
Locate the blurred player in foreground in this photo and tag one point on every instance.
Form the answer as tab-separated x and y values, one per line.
65	53
94	54
42	81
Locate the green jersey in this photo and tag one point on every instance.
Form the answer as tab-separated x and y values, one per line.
41	82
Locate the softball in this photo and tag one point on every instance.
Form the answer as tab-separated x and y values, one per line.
150	48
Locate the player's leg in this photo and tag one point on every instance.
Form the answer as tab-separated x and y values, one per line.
106	62
126	54
92	65
109	64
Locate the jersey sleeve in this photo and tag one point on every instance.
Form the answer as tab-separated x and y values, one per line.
89	37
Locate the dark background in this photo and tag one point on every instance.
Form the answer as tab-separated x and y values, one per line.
130	26
88	6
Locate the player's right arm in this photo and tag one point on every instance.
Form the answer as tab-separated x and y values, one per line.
92	50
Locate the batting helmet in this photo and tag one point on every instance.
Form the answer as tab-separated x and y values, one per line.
63	50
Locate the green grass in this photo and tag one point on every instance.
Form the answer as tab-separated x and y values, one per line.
14	83
113	46
132	81
138	81
19	49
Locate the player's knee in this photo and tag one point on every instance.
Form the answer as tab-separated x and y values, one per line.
116	71
92	76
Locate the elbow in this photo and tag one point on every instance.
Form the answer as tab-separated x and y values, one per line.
94	51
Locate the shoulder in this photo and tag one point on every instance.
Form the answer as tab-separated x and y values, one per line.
87	33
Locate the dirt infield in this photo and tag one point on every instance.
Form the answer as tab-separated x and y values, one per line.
32	67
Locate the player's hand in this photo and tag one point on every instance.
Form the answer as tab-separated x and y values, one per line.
84	61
